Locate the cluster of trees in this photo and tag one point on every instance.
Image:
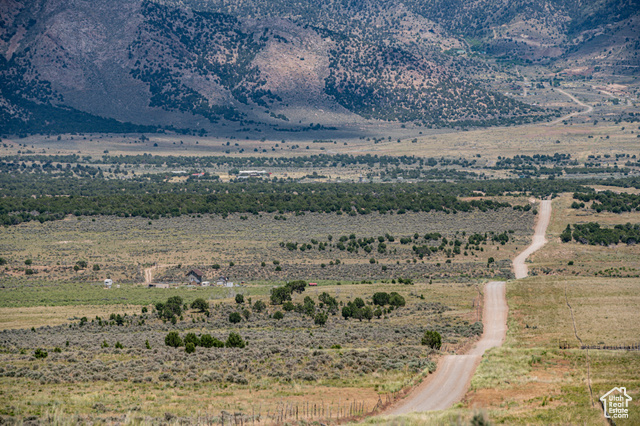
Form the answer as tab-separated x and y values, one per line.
393	299
417	174
319	313
152	198
329	302
453	247
536	159
40	353
554	165
357	308
28	184
236	317
191	341
329	305
279	295
47	167
114	319
502	238
201	305
171	309
591	233
428	244
406	165
609	201
597	170
348	243
308	307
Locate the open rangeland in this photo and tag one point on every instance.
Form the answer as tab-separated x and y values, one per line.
342	368
347	366
261	247
102	342
576	259
580	139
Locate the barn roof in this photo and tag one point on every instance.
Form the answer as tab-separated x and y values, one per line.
195	271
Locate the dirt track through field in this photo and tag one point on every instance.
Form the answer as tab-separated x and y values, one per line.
148	274
539	240
588	109
450	382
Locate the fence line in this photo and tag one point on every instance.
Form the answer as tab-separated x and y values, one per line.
299	413
632	347
563	344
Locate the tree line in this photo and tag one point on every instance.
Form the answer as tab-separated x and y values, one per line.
608	201
593	234
333	198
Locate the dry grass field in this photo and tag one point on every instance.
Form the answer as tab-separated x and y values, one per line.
532	380
40	316
607	138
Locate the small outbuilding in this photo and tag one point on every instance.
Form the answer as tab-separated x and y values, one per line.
158	285
246	174
224	282
108	283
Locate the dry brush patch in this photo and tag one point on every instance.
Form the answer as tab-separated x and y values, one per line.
40	316
291	359
121	247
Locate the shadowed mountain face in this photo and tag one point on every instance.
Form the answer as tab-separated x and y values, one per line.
95	65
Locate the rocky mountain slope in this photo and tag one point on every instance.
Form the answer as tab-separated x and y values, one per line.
127	65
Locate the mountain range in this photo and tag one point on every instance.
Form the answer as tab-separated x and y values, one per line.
196	65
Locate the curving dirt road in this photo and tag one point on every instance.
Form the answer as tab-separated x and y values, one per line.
450	382
539	240
588	109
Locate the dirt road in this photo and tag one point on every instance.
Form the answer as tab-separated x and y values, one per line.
450	382
519	267
588	109
148	274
